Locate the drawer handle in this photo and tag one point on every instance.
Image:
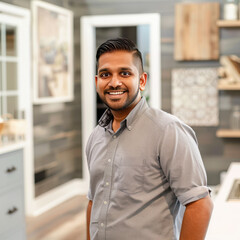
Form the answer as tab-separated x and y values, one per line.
12	169
11	211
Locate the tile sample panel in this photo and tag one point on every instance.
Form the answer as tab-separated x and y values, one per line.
195	96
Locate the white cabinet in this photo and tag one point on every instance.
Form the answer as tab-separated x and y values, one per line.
12	217
15	84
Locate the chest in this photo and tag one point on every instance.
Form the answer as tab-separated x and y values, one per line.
129	157
137	147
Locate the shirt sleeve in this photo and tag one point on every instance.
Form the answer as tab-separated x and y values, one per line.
87	150
182	164
89	195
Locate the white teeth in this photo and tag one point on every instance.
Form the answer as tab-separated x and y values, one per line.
115	93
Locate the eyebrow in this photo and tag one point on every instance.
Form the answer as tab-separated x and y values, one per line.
122	69
103	70
126	68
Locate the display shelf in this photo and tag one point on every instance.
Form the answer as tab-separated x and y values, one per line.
223	85
228	133
228	23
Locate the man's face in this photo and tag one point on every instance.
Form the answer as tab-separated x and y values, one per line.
118	81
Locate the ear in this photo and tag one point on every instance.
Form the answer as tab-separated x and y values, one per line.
96	79
143	81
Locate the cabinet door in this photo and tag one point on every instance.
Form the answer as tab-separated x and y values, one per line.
11	169
14	234
11	91
12	210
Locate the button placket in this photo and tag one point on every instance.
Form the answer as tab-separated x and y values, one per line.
107	185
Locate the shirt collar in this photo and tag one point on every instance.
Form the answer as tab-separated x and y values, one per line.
107	117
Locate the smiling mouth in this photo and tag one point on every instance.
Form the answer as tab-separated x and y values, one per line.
115	93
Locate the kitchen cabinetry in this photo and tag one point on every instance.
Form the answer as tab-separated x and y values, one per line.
224	86
12	216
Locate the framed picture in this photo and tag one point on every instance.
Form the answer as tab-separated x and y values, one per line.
52	53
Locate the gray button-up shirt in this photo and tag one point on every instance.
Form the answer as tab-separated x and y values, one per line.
142	176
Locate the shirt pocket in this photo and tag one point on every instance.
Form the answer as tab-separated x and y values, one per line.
130	177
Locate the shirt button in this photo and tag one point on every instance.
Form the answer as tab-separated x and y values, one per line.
130	127
114	136
105	202
102	224
107	183
109	160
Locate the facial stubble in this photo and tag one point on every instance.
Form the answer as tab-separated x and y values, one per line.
127	103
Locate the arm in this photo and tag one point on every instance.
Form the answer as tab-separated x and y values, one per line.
89	209
196	219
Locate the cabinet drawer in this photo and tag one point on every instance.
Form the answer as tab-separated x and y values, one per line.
14	234
11	169
11	210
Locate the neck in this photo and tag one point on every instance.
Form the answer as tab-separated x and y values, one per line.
119	116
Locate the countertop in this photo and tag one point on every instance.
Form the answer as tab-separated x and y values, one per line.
11	147
225	219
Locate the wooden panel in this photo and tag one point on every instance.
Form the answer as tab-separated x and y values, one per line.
225	85
228	23
196	32
231	66
228	133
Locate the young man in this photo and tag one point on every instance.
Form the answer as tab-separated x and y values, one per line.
147	179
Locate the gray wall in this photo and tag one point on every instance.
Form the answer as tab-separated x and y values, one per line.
217	153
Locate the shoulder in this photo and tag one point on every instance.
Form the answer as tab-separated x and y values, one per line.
161	118
94	136
168	124
97	130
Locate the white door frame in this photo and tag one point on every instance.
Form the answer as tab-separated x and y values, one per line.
88	48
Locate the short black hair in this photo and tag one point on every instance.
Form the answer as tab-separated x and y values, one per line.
119	44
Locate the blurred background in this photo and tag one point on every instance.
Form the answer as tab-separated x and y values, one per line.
48	104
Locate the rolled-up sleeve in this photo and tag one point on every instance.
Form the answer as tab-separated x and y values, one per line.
89	195
182	164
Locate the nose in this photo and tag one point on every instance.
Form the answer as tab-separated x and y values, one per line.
115	82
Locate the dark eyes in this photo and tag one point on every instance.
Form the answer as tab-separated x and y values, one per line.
123	74
104	75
